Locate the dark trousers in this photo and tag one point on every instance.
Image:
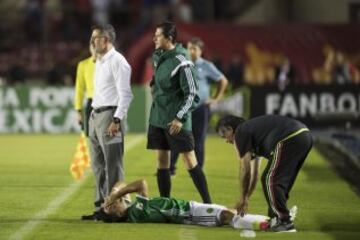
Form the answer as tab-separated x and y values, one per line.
85	124
200	120
280	173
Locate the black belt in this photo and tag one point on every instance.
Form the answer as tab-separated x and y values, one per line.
102	109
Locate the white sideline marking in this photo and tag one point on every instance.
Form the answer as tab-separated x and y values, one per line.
55	204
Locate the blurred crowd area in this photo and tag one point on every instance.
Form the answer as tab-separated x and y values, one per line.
46	38
263	68
43	40
266	68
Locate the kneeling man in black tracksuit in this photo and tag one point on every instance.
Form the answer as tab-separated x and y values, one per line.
285	142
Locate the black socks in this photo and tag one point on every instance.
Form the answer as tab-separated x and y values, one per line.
164	182
199	180
197	175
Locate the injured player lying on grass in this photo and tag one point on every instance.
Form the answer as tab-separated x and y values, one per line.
170	210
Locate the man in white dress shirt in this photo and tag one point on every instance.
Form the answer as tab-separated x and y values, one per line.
111	100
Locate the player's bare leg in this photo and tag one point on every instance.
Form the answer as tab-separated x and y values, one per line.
163	157
189	159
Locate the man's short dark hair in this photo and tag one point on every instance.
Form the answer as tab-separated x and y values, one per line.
229	121
197	41
106	29
169	30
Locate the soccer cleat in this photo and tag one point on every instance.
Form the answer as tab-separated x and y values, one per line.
281	226
263	226
250	222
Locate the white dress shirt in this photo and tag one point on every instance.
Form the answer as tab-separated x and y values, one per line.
112	83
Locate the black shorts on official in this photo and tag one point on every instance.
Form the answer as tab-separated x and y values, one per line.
160	139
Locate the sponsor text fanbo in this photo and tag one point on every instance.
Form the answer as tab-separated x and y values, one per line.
304	105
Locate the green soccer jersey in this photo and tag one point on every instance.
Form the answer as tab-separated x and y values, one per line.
158	210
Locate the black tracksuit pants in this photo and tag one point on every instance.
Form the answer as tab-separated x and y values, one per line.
282	170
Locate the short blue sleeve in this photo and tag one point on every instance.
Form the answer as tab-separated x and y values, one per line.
212	72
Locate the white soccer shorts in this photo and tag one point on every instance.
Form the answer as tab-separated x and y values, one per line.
204	214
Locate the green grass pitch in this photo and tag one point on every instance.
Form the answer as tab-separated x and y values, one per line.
34	173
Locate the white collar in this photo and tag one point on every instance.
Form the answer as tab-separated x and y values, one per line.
107	55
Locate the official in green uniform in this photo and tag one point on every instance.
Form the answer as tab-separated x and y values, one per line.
174	93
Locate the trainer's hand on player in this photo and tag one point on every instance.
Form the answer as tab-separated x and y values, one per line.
242	207
113	129
175	127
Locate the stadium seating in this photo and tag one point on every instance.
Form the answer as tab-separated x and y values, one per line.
260	47
304	45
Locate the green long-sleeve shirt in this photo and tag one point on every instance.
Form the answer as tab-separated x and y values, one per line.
173	87
158	210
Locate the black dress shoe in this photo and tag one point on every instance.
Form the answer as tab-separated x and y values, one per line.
88	217
99	215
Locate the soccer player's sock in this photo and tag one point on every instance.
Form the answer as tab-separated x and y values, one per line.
164	182
250	222
199	180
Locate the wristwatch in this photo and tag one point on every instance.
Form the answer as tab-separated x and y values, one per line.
116	120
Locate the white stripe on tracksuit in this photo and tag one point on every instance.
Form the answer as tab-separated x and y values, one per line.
270	181
191	83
